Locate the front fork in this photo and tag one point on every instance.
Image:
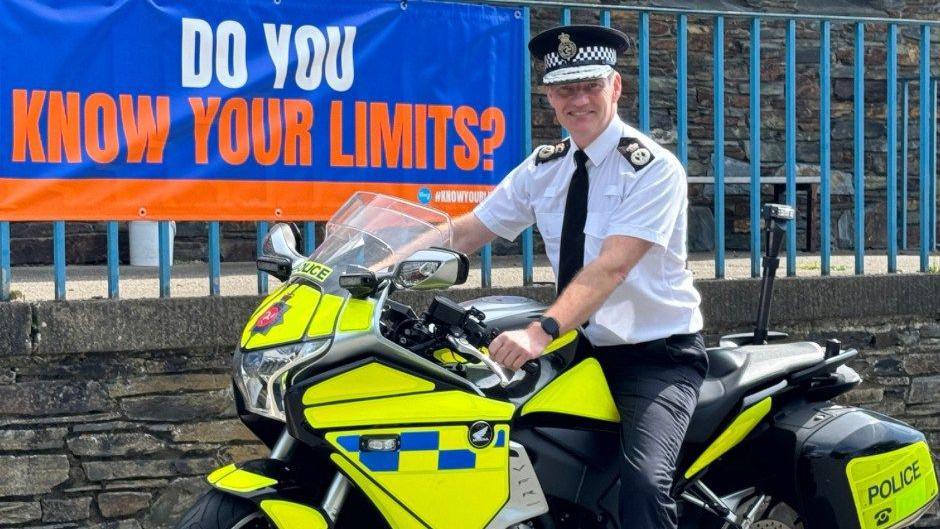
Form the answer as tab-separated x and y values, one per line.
339	487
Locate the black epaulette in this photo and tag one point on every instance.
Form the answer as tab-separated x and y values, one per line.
635	152
552	152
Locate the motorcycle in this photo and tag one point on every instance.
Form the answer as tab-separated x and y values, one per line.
377	416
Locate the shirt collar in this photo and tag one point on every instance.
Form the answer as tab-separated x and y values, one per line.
598	150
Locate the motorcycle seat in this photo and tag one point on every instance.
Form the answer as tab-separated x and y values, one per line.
734	372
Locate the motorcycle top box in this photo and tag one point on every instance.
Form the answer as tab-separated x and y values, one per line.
380	416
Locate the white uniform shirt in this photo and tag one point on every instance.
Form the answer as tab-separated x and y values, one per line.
657	298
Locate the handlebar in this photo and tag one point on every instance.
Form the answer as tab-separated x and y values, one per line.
466	333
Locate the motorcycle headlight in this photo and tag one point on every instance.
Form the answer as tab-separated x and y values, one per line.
261	376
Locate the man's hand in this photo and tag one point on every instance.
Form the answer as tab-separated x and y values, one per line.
514	348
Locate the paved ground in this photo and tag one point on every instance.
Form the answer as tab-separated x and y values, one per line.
191	279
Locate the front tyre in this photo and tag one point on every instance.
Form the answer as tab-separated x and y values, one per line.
217	510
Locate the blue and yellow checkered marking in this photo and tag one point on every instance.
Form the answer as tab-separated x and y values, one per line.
416	450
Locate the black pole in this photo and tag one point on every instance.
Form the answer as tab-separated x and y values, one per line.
775	218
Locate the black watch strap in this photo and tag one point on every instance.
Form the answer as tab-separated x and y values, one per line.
550	326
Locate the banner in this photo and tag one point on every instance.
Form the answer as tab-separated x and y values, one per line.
253	109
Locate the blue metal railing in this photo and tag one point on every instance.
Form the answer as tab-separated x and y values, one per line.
754	106
790	126
718	87
896	224
859	147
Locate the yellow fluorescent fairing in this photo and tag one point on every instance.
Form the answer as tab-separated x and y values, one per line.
370	380
431	464
295	306
297	311
396	515
234	479
324	319
432	407
889	487
290	515
734	434
580	391
560	342
357	315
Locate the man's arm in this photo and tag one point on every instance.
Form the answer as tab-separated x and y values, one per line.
470	234
581	298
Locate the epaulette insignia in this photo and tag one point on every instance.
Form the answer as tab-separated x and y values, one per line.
552	152
635	153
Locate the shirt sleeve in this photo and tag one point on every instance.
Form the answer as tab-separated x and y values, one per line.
507	210
653	205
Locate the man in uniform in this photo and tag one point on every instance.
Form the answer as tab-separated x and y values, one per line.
611	207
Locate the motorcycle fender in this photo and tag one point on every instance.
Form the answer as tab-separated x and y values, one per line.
262	482
290	515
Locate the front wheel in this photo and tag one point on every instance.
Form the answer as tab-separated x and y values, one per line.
217	510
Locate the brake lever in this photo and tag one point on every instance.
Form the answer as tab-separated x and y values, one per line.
463	347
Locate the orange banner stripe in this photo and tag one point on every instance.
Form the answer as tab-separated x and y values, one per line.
223	200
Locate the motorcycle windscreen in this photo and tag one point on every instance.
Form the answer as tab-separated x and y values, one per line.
298	311
454	476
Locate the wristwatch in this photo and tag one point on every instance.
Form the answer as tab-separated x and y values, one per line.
550	326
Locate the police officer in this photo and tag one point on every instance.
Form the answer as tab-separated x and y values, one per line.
611	207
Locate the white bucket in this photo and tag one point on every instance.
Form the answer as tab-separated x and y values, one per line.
145	242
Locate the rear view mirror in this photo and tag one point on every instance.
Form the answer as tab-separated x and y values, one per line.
432	269
279	252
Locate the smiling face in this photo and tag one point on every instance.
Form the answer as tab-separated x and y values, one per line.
585	109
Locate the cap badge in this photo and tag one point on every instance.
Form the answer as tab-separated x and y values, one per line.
566	48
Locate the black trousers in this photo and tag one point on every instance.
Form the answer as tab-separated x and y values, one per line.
655	386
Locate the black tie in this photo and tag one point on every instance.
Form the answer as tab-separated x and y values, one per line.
571	258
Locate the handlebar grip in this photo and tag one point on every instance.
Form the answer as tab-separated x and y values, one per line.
531	367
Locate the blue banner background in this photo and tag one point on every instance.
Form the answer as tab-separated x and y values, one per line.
427	53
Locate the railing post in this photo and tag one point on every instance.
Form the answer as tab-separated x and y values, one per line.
528	241
310	237
604	18
790	126
644	67
755	130
932	192
163	249
486	258
905	150
262	230
859	148
719	149
924	152
114	261
892	165
5	271
824	154
682	89
58	258
215	265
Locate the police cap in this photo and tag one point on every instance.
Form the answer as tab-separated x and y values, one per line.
577	53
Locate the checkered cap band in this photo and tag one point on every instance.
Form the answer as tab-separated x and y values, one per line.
585	55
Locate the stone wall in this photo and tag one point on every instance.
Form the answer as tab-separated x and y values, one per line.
112	412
